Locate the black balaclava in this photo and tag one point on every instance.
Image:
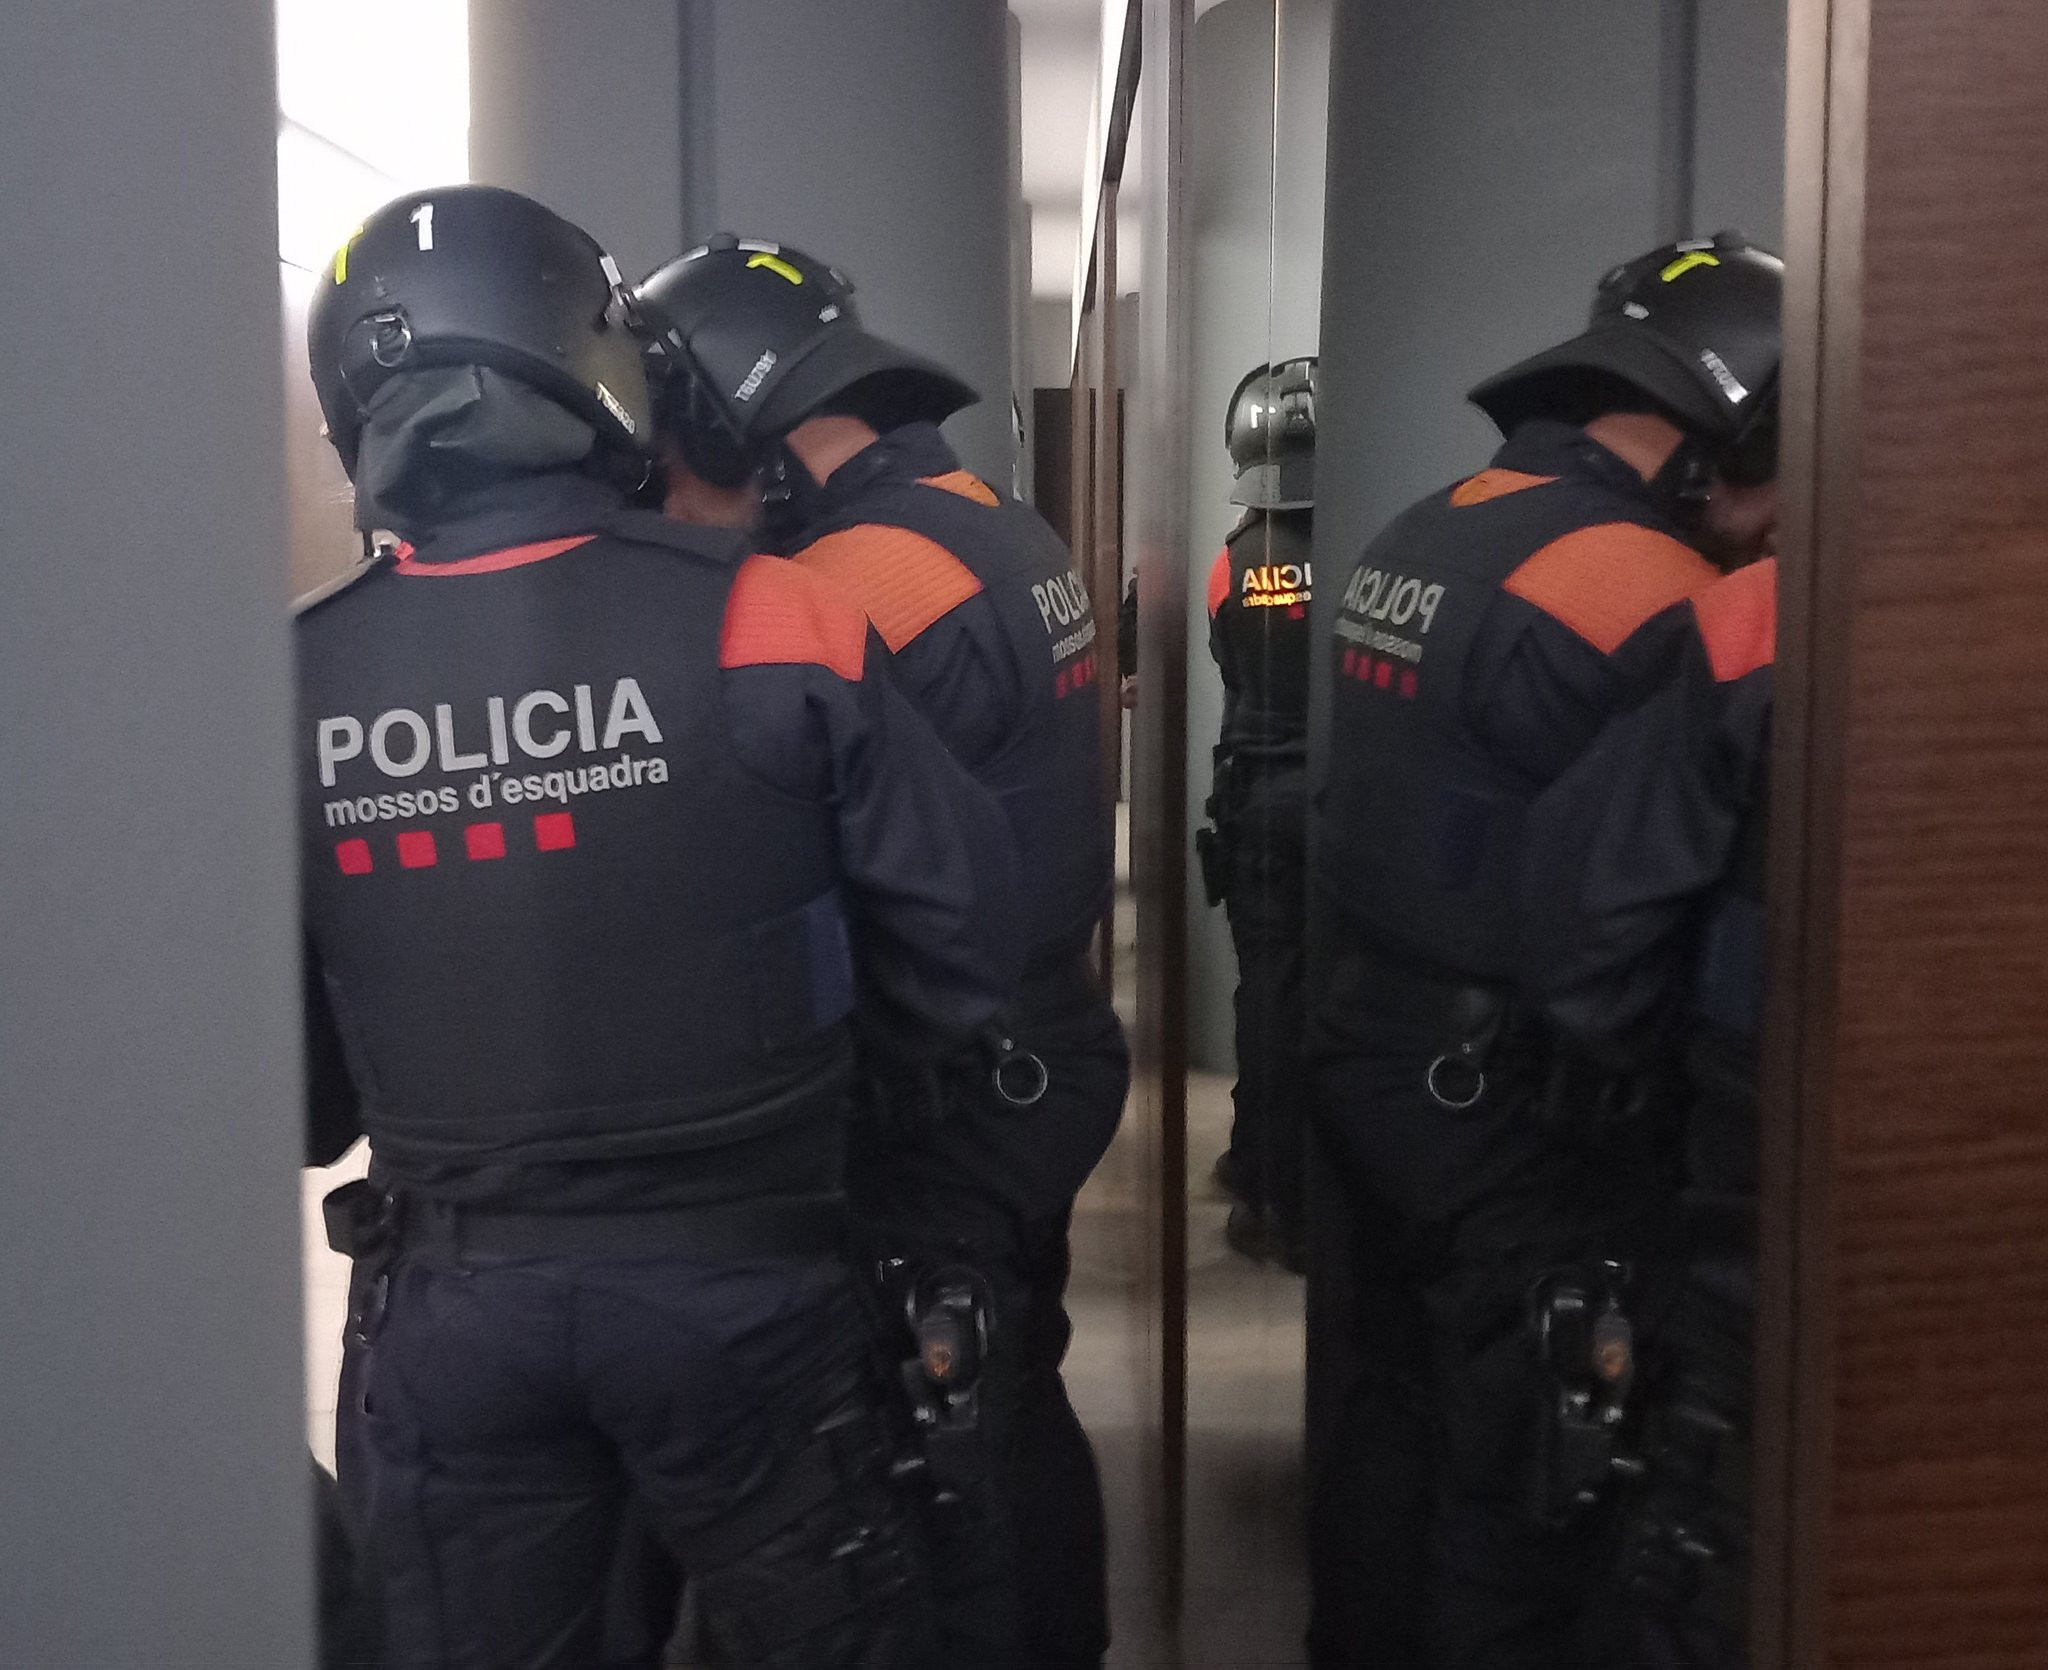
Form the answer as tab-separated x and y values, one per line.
434	436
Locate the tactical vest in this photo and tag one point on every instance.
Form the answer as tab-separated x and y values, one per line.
1261	620
559	920
1420	823
1047	774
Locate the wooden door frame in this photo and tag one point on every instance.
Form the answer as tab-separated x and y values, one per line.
1893	1527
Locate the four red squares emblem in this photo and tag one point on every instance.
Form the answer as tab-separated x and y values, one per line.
417	850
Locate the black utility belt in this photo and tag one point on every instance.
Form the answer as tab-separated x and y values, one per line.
1482	1029
365	1222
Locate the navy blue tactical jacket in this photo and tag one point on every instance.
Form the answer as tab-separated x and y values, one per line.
993	637
1476	657
605	826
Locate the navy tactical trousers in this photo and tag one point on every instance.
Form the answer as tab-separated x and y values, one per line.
511	1415
1020	1567
1267	906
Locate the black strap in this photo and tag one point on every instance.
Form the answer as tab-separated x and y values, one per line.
785	1227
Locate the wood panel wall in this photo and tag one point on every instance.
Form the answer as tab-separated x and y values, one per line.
1907	1346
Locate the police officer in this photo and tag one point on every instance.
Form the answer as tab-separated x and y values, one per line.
1501	1182
992	635
1254	855
602	821
1642	927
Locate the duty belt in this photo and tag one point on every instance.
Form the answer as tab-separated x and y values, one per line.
1476	1026
1469	1022
367	1223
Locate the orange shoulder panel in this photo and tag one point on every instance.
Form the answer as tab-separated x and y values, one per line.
1604	582
903	580
1219	581
1738	619
1488	485
779	616
964	482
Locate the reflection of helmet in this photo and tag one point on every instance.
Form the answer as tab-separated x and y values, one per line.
1693	326
477	276
760	337
1271	431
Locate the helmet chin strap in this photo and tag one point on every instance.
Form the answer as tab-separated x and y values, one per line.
789	497
1686	482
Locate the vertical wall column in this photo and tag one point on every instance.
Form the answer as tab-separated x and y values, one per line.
1489	160
875	135
1022	376
156	1507
582	107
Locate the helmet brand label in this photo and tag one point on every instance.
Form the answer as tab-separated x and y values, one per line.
1730	384
611	404
754	379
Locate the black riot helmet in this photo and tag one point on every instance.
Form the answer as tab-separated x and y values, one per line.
757	337
1695	328
1270	429
478	276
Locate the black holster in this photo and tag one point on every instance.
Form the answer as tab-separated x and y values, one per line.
1216	845
942	1314
364	1224
1585	1344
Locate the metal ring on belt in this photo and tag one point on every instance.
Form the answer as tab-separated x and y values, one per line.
1443	1101
1009	1056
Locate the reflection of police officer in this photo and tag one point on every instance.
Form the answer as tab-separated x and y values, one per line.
1502	1182
993	637
601	821
1254	857
1642	911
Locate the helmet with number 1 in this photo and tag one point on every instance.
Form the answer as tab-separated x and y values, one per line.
478	276
755	337
1271	432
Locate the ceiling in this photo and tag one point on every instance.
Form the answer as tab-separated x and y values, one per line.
1062	42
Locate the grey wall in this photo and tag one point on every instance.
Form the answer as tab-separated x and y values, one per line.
1488	160
1739	169
874	134
1021	364
152	1416
1258	171
581	106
